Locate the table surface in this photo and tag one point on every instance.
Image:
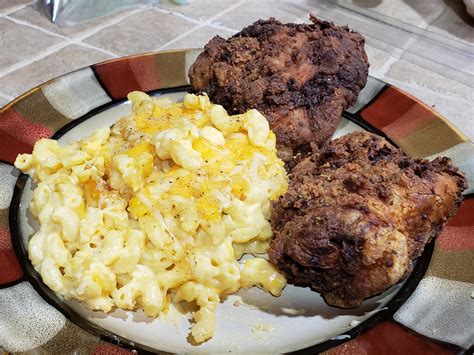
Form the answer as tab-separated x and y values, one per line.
33	50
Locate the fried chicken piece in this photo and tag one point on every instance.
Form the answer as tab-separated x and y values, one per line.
300	76
357	213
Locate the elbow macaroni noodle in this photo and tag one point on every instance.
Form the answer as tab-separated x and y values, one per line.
158	208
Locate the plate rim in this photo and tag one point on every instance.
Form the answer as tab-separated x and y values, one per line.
393	305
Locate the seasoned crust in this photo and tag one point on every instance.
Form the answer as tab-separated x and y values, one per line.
300	76
357	213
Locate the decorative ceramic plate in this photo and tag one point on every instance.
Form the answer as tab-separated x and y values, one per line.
74	105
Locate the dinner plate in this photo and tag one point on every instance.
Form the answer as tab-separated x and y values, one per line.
74	105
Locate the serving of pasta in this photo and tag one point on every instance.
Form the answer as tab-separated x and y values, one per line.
159	208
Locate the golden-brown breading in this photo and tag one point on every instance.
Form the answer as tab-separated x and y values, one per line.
300	76
357	213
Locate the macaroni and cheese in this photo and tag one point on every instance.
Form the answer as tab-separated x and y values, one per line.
158	208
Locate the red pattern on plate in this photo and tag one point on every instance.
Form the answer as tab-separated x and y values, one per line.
389	338
142	72
109	349
146	72
118	77
457	238
10	269
458	234
405	116
413	119
464	215
5	240
123	76
18	135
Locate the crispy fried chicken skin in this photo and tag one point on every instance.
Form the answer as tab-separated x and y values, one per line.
357	213
300	76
